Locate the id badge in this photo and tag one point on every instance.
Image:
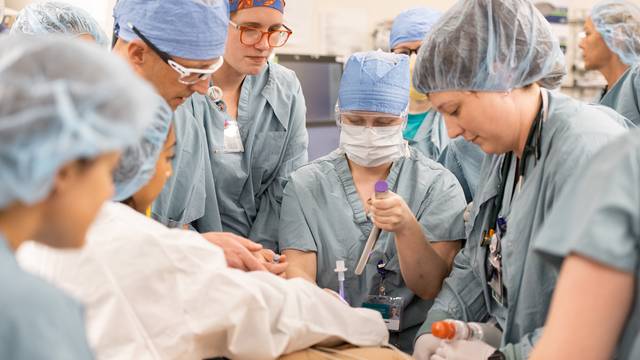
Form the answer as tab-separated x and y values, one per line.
389	307
232	139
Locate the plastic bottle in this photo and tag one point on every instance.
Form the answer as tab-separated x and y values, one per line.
457	330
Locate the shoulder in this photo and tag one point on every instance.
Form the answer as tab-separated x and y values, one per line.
425	171
27	298
279	79
318	171
577	124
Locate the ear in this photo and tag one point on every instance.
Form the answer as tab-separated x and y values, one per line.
137	51
63	179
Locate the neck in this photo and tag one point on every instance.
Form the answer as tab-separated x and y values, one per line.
369	173
18	223
613	71
419	106
531	101
228	79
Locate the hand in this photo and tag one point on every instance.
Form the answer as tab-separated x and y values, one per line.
463	350
238	251
391	213
266	257
426	346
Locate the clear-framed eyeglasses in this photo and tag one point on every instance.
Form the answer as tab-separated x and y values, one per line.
188	76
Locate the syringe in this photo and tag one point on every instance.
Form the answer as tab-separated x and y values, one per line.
340	269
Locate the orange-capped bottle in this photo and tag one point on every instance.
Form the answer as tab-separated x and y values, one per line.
457	330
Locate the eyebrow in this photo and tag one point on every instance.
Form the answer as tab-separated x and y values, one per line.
442	106
259	25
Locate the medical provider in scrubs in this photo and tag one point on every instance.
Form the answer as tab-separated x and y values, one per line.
51	191
237	146
611	45
594	228
154	292
488	67
177	46
425	129
53	17
325	206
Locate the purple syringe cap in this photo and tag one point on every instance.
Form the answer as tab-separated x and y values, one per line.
382	186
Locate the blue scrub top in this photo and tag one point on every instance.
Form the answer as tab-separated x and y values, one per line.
237	192
464	159
37	321
598	217
623	96
322	213
572	133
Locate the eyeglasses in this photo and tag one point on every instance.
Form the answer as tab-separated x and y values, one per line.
251	36
188	76
405	51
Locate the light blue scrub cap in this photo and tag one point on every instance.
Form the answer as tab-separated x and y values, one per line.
618	22
190	29
489	45
54	17
412	25
375	81
138	162
85	103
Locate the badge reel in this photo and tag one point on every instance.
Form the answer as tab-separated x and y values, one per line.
389	307
232	138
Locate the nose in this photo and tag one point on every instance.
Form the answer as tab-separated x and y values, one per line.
453	130
201	87
263	44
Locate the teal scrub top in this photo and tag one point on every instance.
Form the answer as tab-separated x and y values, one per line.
572	133
322	213
623	95
598	217
413	124
37	321
239	193
431	136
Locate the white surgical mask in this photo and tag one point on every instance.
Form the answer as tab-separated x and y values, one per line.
370	147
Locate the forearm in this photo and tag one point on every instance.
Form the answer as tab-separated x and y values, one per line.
422	267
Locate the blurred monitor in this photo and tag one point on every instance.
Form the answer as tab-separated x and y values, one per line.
320	80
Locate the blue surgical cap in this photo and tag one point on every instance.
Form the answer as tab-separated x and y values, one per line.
618	22
190	29
84	104
55	17
412	25
138	162
489	45
235	5
375	81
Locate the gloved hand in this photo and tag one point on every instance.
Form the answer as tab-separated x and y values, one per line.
463	350
426	346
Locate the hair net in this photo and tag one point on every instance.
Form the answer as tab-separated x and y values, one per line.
412	25
618	22
235	5
85	103
55	17
191	29
375	81
489	45
138	162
